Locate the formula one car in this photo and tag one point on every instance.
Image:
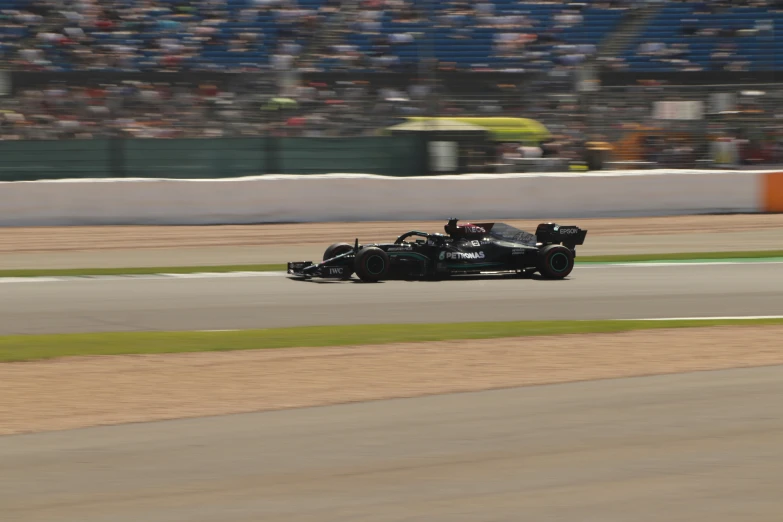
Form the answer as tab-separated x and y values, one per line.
478	248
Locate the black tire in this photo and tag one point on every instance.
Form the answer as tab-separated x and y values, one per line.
371	264
555	262
336	249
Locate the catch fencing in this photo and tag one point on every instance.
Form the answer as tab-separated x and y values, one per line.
248	129
642	126
688	126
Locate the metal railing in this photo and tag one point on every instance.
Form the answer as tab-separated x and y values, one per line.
619	127
688	127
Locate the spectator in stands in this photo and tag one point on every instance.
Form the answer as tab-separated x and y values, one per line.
218	34
134	35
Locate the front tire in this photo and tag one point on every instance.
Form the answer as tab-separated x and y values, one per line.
371	264
336	250
555	262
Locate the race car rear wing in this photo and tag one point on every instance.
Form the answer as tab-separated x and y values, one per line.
552	233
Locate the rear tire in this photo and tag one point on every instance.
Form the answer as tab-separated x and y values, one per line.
371	264
555	262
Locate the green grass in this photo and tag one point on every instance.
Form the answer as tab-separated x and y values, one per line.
32	347
55	272
686	256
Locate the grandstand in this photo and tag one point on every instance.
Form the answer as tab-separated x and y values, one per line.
163	68
169	34
698	36
497	35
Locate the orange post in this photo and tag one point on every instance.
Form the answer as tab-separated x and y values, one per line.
773	192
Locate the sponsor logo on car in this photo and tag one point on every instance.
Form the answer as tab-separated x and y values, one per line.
336	271
569	231
463	255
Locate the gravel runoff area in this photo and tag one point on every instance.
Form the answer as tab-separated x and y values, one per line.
87	391
63	239
152	246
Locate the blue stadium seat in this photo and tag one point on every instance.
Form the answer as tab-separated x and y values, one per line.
761	51
479	49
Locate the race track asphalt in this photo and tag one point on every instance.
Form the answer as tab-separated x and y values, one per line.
692	447
592	292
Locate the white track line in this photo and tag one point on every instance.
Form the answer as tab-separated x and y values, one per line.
202	275
29	279
226	275
219	275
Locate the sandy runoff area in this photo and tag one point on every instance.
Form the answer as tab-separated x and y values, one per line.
87	391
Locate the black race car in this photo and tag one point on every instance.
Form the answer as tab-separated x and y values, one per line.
473	248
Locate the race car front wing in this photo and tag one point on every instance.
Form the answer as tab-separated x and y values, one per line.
302	268
338	267
306	269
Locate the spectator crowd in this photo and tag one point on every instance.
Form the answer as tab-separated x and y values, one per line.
141	35
259	37
367	35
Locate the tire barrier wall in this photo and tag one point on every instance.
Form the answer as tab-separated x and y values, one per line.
773	192
356	197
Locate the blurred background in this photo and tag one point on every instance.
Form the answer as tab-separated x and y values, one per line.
223	88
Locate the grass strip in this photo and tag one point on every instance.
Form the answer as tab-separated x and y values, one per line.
32	347
632	258
57	272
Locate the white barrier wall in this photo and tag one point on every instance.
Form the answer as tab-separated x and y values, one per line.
346	197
